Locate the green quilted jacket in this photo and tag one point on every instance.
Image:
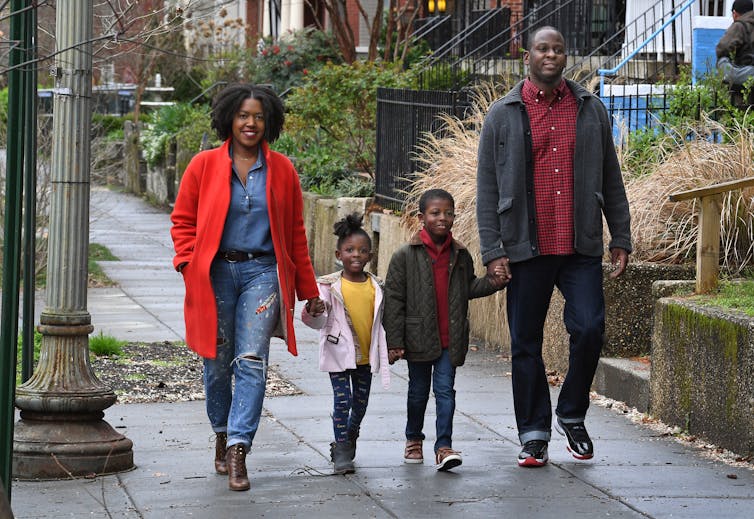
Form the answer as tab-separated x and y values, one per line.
410	318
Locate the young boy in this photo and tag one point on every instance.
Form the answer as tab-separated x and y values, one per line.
427	290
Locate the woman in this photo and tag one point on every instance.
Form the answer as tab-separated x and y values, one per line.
240	244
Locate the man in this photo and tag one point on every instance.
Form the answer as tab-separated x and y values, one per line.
735	50
547	172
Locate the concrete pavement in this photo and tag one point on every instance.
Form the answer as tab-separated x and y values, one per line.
636	471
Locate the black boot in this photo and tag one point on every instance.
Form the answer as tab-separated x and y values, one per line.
352	437
340	454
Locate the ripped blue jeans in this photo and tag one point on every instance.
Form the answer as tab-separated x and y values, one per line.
248	307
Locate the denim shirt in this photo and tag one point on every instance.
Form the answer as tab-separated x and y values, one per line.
247	225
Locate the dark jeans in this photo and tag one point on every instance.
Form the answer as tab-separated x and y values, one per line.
579	279
441	374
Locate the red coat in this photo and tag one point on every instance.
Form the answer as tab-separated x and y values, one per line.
198	220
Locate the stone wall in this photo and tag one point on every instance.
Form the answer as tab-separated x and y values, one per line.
134	172
702	377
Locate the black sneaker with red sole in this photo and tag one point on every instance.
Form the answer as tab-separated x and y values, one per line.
533	454
579	444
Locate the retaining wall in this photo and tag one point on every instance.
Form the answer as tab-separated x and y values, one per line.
702	376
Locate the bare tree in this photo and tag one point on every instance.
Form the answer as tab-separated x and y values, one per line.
400	19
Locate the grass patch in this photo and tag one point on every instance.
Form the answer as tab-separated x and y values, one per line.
166	363
106	345
135	377
732	295
37	347
97	277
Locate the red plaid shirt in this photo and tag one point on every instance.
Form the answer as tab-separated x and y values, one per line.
553	133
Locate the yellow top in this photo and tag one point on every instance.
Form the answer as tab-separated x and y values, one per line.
359	301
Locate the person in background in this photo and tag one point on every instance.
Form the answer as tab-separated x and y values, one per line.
240	244
547	172
429	283
735	50
352	342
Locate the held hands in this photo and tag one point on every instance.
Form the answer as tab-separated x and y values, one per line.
315	306
498	272
394	354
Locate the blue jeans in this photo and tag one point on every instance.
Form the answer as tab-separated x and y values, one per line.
579	279
248	307
441	374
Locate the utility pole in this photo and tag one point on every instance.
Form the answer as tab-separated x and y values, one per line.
61	432
12	243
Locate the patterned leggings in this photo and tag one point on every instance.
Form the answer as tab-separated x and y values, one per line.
351	395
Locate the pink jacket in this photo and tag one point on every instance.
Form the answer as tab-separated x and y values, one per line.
341	355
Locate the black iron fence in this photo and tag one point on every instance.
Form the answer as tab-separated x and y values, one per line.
404	117
631	109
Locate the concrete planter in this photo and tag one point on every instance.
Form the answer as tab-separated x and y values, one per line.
702	377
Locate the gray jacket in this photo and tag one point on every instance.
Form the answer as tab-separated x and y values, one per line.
505	195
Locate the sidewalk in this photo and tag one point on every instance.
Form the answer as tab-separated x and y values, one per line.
635	473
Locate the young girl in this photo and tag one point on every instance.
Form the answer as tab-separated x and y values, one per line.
352	340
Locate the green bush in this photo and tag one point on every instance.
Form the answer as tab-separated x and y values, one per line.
331	122
285	63
109	126
190	137
106	345
231	66
170	121
188	84
320	168
445	76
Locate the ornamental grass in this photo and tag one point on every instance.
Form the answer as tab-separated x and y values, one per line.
708	154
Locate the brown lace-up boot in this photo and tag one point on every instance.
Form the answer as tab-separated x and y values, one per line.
236	460
221	467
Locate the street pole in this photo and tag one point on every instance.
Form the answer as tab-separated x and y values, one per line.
30	192
61	433
12	243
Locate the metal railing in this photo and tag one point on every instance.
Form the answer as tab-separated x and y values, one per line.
642	58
